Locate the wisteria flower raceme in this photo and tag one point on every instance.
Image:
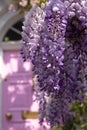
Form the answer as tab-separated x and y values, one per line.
55	39
31	31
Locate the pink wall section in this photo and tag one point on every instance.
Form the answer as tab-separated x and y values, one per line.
17	93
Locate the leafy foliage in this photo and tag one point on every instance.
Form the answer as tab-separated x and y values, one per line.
79	121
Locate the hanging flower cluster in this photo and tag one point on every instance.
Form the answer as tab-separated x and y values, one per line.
31	32
55	39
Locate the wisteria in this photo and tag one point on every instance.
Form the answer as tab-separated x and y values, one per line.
31	32
55	39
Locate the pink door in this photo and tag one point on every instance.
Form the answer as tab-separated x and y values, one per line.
17	94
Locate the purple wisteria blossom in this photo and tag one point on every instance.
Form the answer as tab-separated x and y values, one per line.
55	39
31	31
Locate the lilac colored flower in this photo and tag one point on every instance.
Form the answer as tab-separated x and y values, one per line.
13	7
31	31
55	39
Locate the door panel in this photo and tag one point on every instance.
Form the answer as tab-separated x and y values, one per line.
17	94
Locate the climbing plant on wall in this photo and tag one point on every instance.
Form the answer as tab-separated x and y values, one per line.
54	38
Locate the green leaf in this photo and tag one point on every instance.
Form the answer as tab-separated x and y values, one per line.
57	128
